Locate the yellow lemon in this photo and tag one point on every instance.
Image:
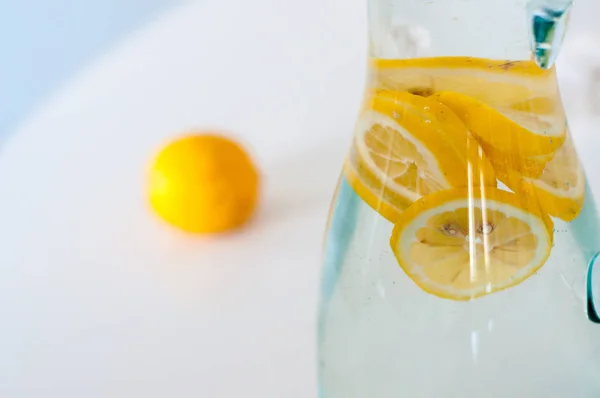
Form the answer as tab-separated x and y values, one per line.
495	82
560	188
407	146
203	184
514	131
465	243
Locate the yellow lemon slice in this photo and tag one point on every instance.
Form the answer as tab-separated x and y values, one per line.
560	189
540	105
497	82
506	164
465	243
374	194
523	133
407	146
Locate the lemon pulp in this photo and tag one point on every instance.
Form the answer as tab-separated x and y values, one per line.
460	245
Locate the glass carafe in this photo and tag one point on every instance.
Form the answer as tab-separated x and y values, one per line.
459	257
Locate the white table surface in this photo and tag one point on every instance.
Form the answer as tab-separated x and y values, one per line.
97	297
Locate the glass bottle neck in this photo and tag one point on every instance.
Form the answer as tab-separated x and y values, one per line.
493	29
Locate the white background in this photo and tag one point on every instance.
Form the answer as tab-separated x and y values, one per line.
97	297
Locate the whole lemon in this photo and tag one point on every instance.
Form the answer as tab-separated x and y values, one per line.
204	183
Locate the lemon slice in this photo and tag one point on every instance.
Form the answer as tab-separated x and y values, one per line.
407	146
508	164
374	194
462	244
560	189
522	133
497	82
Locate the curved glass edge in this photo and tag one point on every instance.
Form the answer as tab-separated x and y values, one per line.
337	238
591	306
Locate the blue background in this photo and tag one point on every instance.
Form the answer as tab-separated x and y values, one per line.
43	42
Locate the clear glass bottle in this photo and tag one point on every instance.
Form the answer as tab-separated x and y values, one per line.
459	258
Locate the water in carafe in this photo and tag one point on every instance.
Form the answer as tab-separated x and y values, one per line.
459	258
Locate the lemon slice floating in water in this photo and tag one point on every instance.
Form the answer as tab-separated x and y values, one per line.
560	189
407	146
466	243
513	131
495	82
